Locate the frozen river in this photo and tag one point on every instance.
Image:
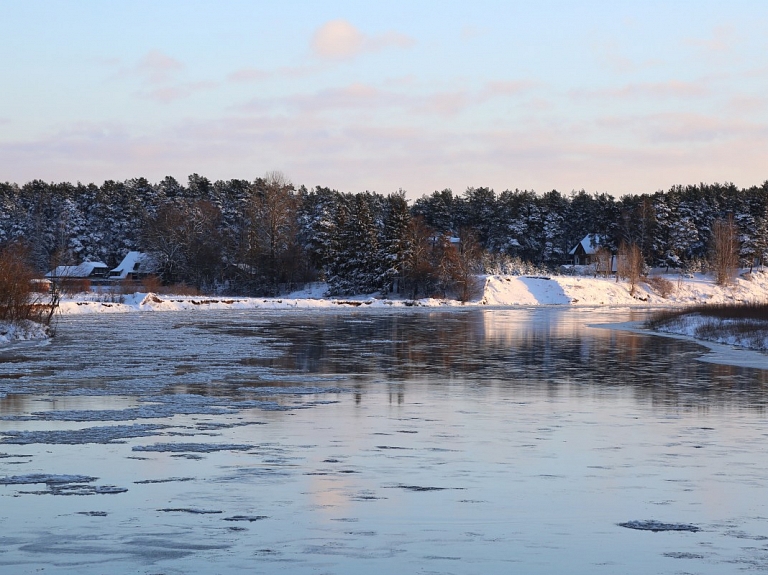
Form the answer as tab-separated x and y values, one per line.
416	441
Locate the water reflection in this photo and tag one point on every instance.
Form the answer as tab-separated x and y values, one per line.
469	441
532	349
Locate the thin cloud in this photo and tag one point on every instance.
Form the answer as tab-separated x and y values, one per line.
745	104
340	40
363	97
356	155
507	88
721	40
653	90
158	68
168	94
609	56
249	75
469	32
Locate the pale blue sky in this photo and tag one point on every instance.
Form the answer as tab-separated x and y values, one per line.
623	97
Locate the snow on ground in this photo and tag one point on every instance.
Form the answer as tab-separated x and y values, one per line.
739	332
699	289
23	331
497	291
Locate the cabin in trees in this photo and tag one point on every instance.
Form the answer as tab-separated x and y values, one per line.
591	251
84	271
585	252
79	277
135	266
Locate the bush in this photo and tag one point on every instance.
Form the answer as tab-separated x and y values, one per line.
151	284
73	286
18	299
660	285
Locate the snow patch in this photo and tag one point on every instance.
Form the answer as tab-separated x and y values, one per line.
22	331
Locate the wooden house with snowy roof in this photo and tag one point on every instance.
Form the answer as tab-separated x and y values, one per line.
583	253
84	271
135	266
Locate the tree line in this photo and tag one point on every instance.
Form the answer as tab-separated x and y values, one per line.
266	236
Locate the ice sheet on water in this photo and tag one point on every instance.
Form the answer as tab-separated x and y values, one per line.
294	390
683	555
131	414
419	488
61	484
79	489
192	510
168	480
166	406
656	526
106	434
46	478
213	426
192	447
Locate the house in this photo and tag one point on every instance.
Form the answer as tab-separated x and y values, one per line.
135	265
588	252
584	253
84	271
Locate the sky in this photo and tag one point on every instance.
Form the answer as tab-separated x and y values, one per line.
613	96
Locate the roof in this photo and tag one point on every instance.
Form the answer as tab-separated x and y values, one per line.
83	270
590	243
134	262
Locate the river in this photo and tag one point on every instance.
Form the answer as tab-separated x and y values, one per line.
526	440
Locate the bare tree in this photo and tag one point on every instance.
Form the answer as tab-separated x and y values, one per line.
725	251
271	247
458	264
18	300
629	264
419	273
602	261
185	242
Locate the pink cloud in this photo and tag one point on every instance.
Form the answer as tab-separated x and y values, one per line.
248	75
653	90
339	40
171	93
245	75
354	152
157	67
720	41
363	97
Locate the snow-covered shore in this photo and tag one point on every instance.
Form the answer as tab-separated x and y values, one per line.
496	291
744	333
24	331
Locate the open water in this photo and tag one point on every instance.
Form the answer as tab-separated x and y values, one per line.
416	441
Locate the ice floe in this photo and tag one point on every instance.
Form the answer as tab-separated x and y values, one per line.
656	526
106	434
192	447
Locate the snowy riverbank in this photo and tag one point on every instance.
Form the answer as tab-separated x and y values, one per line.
744	333
24	331
496	291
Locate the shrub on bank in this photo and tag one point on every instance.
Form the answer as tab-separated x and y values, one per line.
19	300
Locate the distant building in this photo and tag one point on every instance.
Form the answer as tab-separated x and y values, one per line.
591	251
135	265
584	252
84	271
